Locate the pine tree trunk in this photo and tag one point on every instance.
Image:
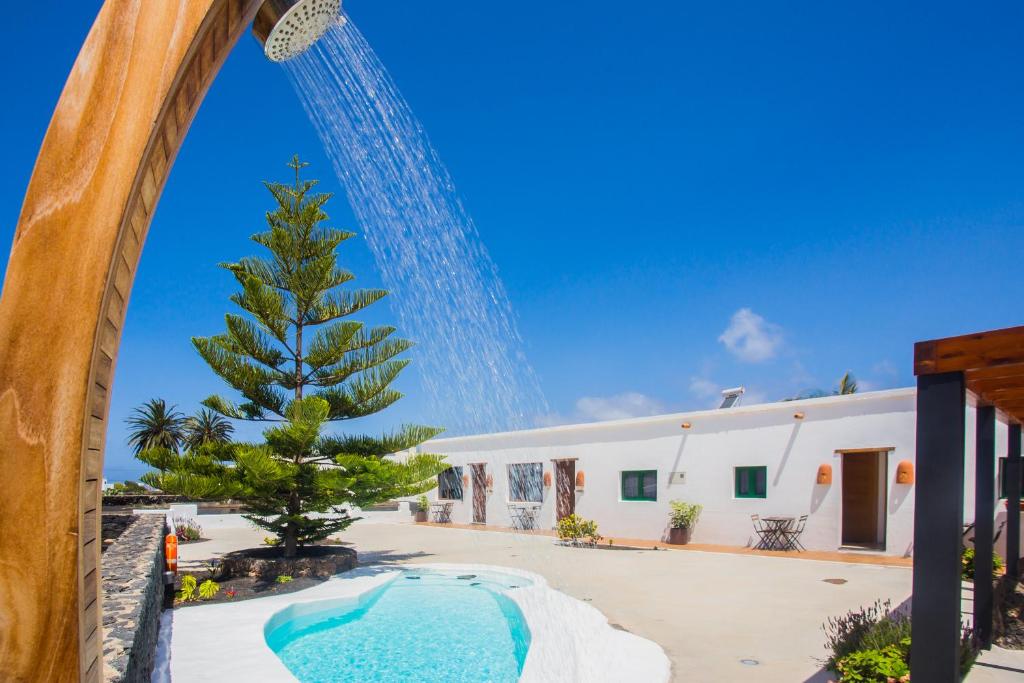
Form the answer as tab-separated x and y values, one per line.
291	531
290	541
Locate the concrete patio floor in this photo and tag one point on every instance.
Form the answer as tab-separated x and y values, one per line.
719	617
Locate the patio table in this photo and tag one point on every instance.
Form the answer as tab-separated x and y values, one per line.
523	516
441	511
774	532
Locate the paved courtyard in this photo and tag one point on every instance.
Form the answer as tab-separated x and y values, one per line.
719	617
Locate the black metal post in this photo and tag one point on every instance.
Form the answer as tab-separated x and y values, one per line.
984	509
938	525
1012	474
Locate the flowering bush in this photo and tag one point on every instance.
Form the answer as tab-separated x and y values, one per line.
888	665
187	530
574	529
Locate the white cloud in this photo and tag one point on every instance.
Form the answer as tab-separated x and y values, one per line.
617	407
599	408
750	337
704	388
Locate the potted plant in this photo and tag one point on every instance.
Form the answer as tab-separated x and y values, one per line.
424	506
683	518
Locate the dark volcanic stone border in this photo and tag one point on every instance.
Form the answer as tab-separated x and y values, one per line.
267	563
132	600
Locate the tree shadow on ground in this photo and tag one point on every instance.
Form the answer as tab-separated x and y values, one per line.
389	557
822	676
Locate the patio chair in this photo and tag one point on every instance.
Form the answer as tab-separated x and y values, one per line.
760	530
442	512
791	536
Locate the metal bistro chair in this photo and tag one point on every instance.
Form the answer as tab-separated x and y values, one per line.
761	531
791	536
442	512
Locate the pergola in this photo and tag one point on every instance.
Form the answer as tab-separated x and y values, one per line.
984	370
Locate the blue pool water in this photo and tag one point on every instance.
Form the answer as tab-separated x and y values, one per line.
423	627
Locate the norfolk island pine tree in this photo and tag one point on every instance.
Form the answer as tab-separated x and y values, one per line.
297	359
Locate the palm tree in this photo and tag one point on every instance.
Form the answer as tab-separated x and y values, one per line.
206	426
155	424
847	384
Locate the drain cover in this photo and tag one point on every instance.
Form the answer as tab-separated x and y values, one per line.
749	662
835	582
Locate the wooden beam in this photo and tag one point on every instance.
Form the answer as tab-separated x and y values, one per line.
970	351
131	96
997	372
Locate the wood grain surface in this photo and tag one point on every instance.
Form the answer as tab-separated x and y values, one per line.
127	104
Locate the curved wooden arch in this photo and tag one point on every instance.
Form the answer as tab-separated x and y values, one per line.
128	102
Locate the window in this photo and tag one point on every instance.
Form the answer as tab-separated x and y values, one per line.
526	482
751	482
449	484
640	485
1003	483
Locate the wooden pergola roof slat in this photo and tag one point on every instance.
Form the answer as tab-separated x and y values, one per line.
992	364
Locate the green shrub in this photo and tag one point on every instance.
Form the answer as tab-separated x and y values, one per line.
844	634
208	589
967	564
684	515
424	503
283	578
188	588
574	528
874	666
187	529
272	541
871	636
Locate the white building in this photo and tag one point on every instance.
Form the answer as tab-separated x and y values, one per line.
836	459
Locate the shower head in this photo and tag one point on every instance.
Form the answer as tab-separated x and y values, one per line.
287	28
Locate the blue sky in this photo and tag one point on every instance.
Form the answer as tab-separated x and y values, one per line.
680	197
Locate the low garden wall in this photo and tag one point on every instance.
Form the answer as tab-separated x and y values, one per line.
139	500
133	594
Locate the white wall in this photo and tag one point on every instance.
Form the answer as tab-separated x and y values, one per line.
717	441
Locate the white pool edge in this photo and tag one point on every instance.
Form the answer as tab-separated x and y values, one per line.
570	640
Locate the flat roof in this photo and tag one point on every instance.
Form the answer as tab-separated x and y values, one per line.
757	408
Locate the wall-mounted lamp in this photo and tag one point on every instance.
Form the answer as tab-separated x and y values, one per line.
580	480
490	483
465	481
824	474
686	425
798	415
547	480
905	472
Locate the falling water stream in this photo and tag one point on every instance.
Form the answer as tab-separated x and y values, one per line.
445	287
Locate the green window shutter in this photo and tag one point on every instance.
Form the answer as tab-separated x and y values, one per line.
640	485
751	482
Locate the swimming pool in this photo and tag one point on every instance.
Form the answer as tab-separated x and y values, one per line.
424	626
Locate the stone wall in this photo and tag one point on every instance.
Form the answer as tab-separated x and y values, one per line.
139	500
132	600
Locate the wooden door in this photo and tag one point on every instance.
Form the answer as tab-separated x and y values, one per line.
479	494
863	499
565	488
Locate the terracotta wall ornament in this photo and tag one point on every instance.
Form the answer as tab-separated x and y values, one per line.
580	480
547	479
490	483
824	474
114	135
905	472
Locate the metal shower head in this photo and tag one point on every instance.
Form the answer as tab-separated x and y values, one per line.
287	28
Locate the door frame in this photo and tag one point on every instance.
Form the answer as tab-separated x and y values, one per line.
567	465
478	477
882	535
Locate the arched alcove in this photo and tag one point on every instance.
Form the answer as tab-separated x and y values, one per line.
129	100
